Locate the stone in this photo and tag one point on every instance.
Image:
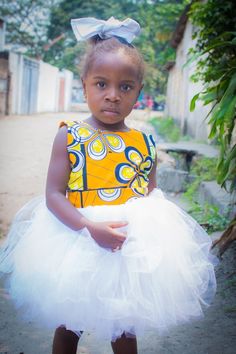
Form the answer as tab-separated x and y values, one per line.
172	180
212	193
164	158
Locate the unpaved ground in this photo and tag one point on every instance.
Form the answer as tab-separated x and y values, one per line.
25	144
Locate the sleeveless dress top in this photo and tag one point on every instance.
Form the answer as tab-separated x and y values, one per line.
107	168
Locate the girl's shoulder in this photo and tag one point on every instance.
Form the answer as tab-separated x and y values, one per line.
148	140
69	123
147	136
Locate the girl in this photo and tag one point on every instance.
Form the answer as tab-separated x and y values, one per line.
107	252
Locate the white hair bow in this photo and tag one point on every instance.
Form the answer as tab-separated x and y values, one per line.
87	27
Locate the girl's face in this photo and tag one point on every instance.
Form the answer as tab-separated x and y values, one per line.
111	88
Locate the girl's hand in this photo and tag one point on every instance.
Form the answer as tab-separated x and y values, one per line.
107	235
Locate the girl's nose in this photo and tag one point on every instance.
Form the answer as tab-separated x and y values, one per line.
112	95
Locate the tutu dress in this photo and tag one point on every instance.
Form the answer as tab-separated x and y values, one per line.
162	276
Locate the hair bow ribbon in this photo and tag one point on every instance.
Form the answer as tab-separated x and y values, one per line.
87	27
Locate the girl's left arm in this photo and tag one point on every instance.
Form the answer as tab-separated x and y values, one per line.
152	177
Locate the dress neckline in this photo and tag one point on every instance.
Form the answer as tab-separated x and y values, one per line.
107	130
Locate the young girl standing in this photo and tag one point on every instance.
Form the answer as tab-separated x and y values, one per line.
107	252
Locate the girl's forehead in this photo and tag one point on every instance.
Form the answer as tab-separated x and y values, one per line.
118	62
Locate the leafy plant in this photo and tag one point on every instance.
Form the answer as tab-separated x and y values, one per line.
26	23
204	169
167	128
43	28
157	19
208	215
215	52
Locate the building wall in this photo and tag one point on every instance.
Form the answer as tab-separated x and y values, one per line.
34	86
4	84
180	90
47	88
2	34
16	74
68	89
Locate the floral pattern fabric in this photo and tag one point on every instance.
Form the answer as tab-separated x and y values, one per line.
107	167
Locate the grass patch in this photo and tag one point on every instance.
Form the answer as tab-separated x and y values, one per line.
167	128
208	215
204	169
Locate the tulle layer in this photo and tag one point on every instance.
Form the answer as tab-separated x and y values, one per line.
162	276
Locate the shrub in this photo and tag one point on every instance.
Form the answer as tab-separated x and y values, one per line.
167	128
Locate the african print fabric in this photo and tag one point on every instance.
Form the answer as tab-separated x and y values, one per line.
107	167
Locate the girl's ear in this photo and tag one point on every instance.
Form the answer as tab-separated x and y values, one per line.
84	87
141	87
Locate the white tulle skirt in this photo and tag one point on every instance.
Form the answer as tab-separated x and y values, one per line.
162	276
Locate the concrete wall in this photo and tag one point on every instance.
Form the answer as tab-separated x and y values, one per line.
68	75
180	90
16	74
4	83
47	88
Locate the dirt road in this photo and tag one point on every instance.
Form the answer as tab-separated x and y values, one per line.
25	145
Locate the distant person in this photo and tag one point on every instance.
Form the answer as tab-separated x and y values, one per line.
106	252
148	106
149	103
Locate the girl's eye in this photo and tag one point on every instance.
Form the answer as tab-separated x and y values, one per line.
125	87
101	84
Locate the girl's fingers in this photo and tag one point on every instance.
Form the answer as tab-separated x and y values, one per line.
118	248
120	236
117	224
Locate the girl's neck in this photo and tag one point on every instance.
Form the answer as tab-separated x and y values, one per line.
96	124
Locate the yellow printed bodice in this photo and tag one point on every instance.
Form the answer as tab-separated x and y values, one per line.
107	167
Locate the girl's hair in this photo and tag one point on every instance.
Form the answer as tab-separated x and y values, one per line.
100	47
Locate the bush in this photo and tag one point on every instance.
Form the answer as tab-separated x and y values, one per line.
208	215
167	128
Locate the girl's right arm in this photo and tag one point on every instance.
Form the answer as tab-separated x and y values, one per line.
104	233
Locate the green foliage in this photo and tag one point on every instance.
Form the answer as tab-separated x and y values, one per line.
36	24
204	169
167	128
208	215
157	19
215	52
160	98
27	22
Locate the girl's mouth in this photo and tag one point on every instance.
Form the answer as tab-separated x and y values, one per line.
110	112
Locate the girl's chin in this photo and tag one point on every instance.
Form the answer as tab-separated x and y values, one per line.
110	120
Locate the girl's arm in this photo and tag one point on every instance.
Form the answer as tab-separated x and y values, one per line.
152	177
104	233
